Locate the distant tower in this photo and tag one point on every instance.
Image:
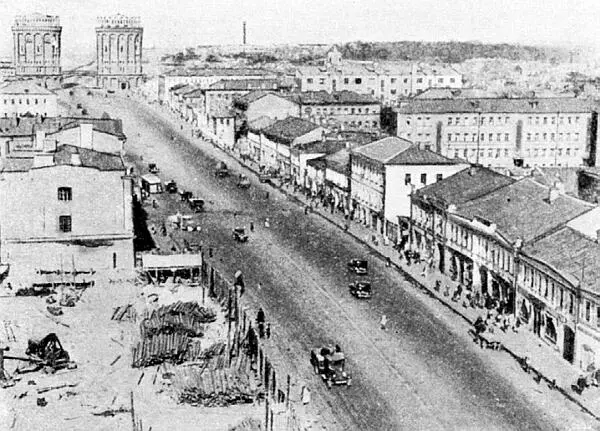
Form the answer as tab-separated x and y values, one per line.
244	33
37	48
119	52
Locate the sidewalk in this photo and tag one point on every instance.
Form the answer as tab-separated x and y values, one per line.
545	363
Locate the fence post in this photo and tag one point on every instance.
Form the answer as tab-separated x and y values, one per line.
287	395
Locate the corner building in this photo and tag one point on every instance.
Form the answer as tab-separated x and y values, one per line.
119	52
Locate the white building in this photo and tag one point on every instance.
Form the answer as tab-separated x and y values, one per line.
26	98
267	104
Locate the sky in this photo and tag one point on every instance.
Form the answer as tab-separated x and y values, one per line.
183	23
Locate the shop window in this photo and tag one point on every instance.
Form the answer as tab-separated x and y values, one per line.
550	329
65	194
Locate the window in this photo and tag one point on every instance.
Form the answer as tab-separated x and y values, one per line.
597	308
65	194
550	329
309	80
423	178
491	137
588	305
440	80
452	80
321	81
449	121
393	80
419	80
449	137
346	80
407	179
506	136
577	135
545	120
393	91
571	303
358	80
64	223
439	177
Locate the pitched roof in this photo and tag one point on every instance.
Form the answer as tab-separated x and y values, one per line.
454	93
521	210
253	96
570	252
28	126
465	185
71	156
288	129
384	149
338	161
416	156
260	123
24	87
334	98
499	105
225	71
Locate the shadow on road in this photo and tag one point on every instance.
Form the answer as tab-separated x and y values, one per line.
143	239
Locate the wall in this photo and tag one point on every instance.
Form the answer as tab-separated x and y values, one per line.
98	141
36	104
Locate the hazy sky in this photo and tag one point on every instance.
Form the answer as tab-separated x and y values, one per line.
193	22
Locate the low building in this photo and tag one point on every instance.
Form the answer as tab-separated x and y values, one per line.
66	209
26	98
499	132
385	173
220	120
258	104
341	109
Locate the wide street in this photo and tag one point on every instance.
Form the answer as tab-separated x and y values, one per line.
424	372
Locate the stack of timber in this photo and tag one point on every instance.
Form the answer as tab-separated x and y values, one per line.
157	348
248	424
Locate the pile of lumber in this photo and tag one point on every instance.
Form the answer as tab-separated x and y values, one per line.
202	314
215	387
157	348
124	313
248	424
180	316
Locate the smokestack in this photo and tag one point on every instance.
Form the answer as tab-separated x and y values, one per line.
244	33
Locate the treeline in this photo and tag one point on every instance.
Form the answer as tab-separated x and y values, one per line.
451	52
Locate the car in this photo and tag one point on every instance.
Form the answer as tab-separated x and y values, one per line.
358	266
264	178
171	187
221	170
361	289
330	364
243	182
152	168
239	234
197	205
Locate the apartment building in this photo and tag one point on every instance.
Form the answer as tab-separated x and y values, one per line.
504	132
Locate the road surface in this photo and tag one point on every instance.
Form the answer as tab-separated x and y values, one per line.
424	372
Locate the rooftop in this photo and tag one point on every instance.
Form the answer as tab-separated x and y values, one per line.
570	252
454	93
335	98
384	149
260	123
27	126
71	156
339	161
289	129
221	72
221	110
521	210
246	84
24	87
499	105
465	185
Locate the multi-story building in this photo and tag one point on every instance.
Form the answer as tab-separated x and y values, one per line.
50	215
37	48
500	132
119	52
340	110
385	173
203	78
386	81
26	98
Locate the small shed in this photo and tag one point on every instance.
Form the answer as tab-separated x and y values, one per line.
151	184
184	265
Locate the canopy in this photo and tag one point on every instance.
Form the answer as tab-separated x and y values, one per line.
171	261
151	179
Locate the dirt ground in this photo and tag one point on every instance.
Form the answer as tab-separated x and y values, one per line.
95	342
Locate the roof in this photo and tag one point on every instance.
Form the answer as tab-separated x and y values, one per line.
71	156
246	84
416	156
384	149
151	179
220	72
24	87
255	95
220	110
521	210
170	261
28	126
454	93
289	129
570	252
338	161
183	90
334	98
465	185
499	105
260	123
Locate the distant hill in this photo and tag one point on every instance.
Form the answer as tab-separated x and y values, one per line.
451	52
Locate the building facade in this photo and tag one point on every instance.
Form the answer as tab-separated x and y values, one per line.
496	132
119	52
26	98
37	48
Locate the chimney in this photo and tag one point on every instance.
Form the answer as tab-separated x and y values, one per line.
553	194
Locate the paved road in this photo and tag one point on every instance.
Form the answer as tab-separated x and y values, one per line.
422	373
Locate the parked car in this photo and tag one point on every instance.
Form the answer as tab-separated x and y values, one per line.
239	234
152	168
358	266
264	178
330	365
221	170
171	187
243	182
361	289
196	205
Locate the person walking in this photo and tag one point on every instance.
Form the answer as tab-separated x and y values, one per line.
267	223
383	322
251	226
305	395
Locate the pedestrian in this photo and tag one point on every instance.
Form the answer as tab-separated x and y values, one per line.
268	330
306	210
383	322
346	227
267	195
305	395
526	364
258	287
388	261
267	223
251	226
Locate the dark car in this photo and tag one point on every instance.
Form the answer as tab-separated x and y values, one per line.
264	178
239	234
330	365
197	205
358	266
361	289
221	170
243	182
171	187
152	168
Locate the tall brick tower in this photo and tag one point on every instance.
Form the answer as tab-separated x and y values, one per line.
37	47
119	52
